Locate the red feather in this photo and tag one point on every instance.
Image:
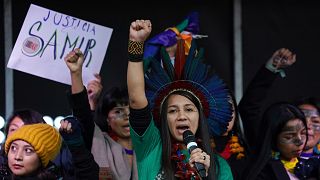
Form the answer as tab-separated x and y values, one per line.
180	59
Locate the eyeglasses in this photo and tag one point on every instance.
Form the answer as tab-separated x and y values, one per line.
119	113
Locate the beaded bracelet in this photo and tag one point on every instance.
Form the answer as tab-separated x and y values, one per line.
135	51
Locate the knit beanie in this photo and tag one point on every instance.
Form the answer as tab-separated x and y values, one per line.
44	138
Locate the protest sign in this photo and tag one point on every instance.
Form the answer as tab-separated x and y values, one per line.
47	36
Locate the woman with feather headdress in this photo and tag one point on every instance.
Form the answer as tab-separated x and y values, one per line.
166	99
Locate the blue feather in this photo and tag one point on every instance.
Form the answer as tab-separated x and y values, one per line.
197	74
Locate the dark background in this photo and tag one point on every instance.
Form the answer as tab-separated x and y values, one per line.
2	64
294	24
266	26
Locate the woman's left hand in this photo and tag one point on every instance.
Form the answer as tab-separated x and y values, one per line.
198	155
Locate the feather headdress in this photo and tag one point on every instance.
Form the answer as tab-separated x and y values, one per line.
187	73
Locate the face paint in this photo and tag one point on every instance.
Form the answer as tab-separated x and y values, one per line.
313	118
293	135
298	141
119	113
310	113
316	127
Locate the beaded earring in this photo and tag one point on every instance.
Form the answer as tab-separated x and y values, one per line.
275	155
316	148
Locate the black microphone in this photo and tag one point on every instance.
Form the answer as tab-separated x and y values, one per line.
190	141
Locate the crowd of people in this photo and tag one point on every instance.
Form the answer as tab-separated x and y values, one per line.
139	131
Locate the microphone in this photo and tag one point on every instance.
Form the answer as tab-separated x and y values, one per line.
190	141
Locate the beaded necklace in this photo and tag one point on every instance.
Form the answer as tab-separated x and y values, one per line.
115	138
181	156
128	151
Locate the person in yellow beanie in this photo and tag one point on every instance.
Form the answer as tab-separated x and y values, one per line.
31	148
24	116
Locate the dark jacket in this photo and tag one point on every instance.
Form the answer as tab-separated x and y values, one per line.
250	109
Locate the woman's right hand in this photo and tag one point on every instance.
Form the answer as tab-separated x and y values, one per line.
140	30
199	156
282	58
74	60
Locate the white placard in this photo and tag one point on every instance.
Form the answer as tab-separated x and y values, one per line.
47	36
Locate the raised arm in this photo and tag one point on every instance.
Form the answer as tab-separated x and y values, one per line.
79	100
250	106
83	161
139	32
74	61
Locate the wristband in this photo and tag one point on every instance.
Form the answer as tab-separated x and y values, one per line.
271	68
135	51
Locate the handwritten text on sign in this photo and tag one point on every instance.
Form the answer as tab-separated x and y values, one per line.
47	36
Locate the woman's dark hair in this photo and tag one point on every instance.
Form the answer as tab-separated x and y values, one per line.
28	116
202	133
237	127
274	119
314	101
116	96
